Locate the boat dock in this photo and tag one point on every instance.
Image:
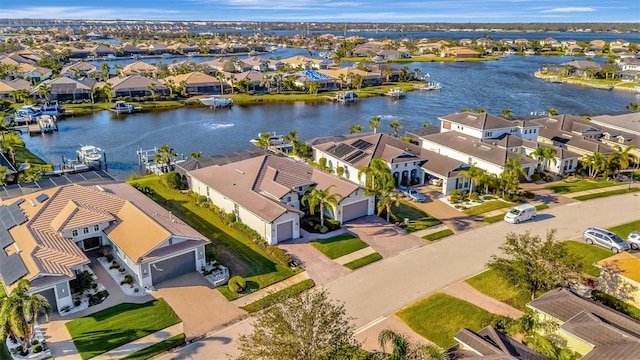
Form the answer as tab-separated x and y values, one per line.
147	164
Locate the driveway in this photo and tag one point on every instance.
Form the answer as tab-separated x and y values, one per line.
319	267
200	306
385	238
452	218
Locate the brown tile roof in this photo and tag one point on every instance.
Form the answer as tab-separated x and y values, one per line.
76	214
552	125
467	144
134	83
139	67
482	121
193	78
258	183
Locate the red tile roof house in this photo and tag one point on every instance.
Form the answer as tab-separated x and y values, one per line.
264	192
45	236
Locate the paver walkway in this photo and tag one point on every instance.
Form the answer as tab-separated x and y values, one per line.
468	293
253	297
142	343
385	238
354	255
452	218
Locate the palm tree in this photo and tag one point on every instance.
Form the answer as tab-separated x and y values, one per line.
292	137
152	88
105	71
107	90
44	90
552	111
544	155
395	126
385	200
170	84
487	180
264	140
19	312
165	155
513	166
416	73
322	198
403	349
196	154
473	173
313	87
357	128
506	113
374	123
480	110
623	157
388	71
377	175
595	163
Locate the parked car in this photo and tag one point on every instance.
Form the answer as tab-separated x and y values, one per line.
520	213
634	240
606	239
413	195
435	181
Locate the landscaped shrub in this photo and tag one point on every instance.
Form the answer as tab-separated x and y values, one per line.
127	280
77	303
237	284
37	349
202	201
122	269
174	180
109	258
114	265
473	196
35	342
278	254
231	218
210	254
18	349
455	196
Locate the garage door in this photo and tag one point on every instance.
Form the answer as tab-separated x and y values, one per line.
170	268
355	210
284	231
50	295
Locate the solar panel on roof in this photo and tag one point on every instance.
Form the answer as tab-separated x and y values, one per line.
42	198
362	144
332	147
342	150
5	238
12	268
358	158
354	155
17	214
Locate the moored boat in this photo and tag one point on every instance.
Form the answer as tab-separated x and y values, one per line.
89	154
52	109
217	101
26	114
122	107
275	139
396	93
346	97
429	86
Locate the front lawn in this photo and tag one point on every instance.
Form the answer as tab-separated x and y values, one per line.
492	284
118	325
487	206
366	260
157	349
340	245
438	235
581	185
625	229
418	219
588	254
439	317
235	250
606	194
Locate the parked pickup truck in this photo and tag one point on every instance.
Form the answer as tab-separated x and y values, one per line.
413	194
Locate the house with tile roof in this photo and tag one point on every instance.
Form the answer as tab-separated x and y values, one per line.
620	277
78	69
489	343
589	328
264	192
45	237
573	133
140	68
136	85
487	126
64	88
197	83
7	87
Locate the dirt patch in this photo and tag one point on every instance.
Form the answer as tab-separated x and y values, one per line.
230	260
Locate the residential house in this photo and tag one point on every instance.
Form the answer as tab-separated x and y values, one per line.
197	83
449	170
158	49
139	68
345	76
136	85
218	64
487	126
460	52
129	49
79	52
185	48
366	49
191	164
325	82
303	62
620	277
628	123
392	54
256	63
574	49
572	133
46	234
33	72
102	50
78	69
64	88
381	70
254	81
264	192
490	343
589	328
7	87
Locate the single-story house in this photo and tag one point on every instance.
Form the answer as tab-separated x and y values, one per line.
265	192
45	236
33	72
130	49
325	82
253	79
197	83
256	63
6	87
136	85
345	76
78	69
589	328
158	48
140	68
620	277
102	50
490	343
64	88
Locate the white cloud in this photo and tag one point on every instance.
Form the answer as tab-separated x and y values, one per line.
85	12
568	9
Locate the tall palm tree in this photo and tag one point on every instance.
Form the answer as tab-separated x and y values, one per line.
595	163
196	154
544	155
165	155
264	140
473	173
19	312
395	126
374	123
323	199
292	136
357	128
506	113
376	168
107	90
385	200
487	180
404	349
624	158
105	71
513	166
44	90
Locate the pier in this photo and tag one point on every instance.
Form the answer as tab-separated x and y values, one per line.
146	162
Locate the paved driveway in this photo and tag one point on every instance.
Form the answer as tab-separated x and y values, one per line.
387	239
319	267
200	306
454	219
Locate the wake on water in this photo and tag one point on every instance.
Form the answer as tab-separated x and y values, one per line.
221	126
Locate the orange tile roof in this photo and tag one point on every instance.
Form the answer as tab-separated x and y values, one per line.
623	263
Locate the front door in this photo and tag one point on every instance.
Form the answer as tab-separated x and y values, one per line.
91	243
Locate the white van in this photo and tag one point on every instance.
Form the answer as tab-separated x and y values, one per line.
520	213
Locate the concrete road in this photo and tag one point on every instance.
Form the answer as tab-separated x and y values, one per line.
383	288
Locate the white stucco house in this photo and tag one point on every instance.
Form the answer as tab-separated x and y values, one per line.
45	236
264	192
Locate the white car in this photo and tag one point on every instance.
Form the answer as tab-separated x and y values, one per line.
634	240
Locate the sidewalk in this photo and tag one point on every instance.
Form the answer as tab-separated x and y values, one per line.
253	297
468	293
142	343
354	255
431	230
601	190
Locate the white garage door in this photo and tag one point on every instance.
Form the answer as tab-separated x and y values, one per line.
284	231
355	210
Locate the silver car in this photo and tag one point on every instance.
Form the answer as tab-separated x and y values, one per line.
606	239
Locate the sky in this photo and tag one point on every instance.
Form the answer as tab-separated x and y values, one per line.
380	11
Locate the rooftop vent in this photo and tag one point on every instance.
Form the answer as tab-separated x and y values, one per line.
239	171
100	188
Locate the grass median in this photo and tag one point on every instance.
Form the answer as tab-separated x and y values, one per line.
566	187
366	260
418	219
606	194
340	245
157	349
492	284
438	235
279	296
487	206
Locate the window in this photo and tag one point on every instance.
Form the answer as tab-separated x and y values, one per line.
74	233
96	227
489	133
288	199
85	230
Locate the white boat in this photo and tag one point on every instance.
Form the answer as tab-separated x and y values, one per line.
217	101
167	55
193	53
274	139
530	52
47	123
396	93
122	107
429	86
26	114
637	89
89	154
346	97
52	109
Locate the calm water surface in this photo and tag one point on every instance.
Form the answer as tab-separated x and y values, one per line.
495	85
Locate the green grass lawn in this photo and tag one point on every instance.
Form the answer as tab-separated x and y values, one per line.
487	206
580	185
279	296
107	329
159	348
438	235
623	230
418	219
491	283
235	250
589	254
606	194
4	352
366	260
340	245
439	316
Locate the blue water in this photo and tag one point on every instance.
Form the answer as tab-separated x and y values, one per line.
494	85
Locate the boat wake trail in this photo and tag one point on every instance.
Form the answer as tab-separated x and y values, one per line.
221	126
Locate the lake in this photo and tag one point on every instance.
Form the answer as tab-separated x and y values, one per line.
494	85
